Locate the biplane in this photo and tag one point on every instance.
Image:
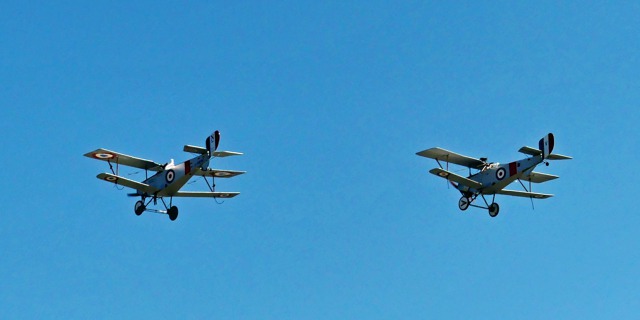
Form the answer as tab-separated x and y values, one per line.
491	178
168	178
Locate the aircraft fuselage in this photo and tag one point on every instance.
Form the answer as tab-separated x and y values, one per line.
496	176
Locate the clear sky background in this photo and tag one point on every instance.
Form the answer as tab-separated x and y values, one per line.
329	101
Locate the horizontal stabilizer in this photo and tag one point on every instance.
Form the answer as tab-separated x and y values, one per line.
142	187
535	152
530	151
205	194
524	194
538	177
456	178
123	159
554	156
221	154
218	173
194	149
201	150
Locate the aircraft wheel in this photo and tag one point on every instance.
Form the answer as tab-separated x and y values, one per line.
139	208
463	203
173	213
494	209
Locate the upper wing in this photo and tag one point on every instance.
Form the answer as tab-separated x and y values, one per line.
448	156
119	158
218	173
538	177
524	194
454	177
142	187
205	194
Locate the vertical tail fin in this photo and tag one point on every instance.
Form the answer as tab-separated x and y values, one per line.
212	142
546	145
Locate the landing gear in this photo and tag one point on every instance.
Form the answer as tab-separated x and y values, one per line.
173	213
170	210
494	209
139	208
464	203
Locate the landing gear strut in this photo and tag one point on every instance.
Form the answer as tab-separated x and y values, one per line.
465	202
494	208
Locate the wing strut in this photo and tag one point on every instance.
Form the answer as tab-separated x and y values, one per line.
525	189
450	182
212	186
115	173
213	181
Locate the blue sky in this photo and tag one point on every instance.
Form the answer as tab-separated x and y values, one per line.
338	218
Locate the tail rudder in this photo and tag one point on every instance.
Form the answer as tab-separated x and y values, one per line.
546	145
212	142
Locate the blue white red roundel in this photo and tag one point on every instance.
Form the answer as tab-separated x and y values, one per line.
169	176
103	155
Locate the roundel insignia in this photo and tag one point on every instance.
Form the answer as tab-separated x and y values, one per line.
222	174
169	176
103	155
443	174
501	173
111	178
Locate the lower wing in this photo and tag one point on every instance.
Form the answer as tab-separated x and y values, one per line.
205	194
456	178
524	194
142	187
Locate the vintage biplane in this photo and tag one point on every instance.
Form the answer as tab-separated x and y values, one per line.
491	178
168	178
